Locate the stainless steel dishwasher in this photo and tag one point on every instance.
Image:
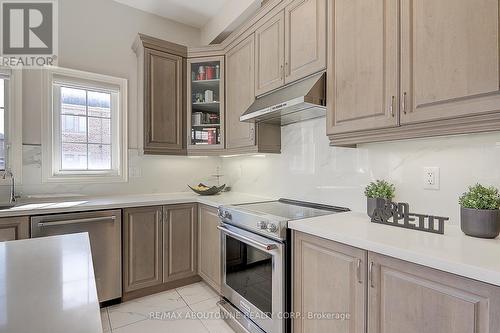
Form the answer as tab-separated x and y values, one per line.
104	228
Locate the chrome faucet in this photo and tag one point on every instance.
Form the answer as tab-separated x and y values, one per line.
8	173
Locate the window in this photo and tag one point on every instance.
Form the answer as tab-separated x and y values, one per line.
10	122
86	127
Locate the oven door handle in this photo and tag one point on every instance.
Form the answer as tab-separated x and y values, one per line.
245	239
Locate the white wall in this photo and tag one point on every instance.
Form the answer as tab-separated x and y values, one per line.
308	169
96	36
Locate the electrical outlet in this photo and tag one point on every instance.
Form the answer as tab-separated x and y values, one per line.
431	178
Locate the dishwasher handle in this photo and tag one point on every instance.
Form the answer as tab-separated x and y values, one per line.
76	221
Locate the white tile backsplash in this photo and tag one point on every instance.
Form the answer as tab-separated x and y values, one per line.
150	174
309	169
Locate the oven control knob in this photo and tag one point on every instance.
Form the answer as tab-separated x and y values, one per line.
227	215
262	225
271	227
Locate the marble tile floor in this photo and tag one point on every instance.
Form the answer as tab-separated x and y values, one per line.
190	309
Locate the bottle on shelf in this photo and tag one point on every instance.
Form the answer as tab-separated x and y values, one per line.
217	72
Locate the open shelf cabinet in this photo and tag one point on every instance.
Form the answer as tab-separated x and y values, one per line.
205	111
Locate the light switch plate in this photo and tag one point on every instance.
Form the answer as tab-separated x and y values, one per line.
431	178
135	172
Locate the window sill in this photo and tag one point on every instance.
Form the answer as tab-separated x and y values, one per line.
86	179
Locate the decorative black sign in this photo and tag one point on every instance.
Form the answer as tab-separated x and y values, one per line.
398	215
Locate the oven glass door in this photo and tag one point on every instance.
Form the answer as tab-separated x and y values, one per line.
249	272
253	276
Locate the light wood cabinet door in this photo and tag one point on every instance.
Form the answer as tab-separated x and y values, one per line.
362	65
209	249
164	103
409	298
179	242
240	72
14	228
142	248
328	277
305	38
450	59
270	54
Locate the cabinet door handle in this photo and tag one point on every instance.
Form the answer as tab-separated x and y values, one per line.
370	273
404	103
391	108
288	69
282	72
358	270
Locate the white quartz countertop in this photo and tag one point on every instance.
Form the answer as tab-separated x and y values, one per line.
452	252
78	204
47	285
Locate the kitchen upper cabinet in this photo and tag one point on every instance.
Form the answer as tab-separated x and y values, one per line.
291	45
450	59
270	55
161	95
14	228
240	70
405	297
305	38
244	137
209	246
142	248
440	75
363	65
180	243
328	277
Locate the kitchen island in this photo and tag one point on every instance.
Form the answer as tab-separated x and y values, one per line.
47	285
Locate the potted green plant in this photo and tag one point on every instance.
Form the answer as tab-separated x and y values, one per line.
377	193
479	212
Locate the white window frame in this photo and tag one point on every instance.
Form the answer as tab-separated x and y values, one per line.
13	123
51	152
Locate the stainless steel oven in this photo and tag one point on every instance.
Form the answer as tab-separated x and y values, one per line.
256	253
253	276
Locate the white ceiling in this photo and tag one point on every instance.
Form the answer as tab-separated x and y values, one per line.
195	13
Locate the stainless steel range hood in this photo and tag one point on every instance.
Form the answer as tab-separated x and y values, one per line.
299	101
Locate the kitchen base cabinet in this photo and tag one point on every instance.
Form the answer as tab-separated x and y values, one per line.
14	228
159	249
381	294
328	277
142	250
209	246
180	242
404	297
